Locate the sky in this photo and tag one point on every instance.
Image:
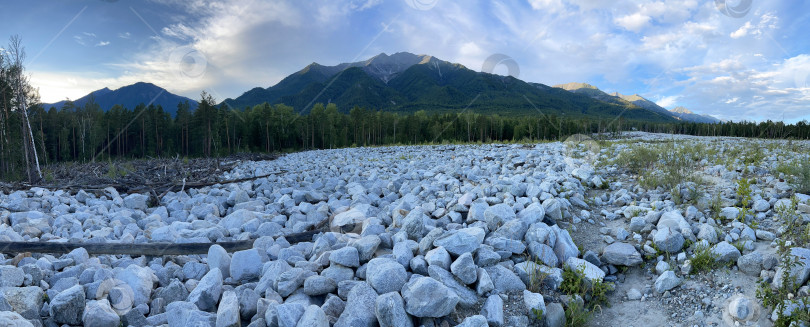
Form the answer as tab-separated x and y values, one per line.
731	59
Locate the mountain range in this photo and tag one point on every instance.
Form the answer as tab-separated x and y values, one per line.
405	82
131	96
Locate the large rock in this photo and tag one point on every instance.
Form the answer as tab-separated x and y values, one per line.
219	258
136	201
751	264
319	285
390	310
668	240
385	275
346	256
246	265
622	254
493	310
181	314
553	209
461	241
800	272
534	303
589	270
360	307
13	319
496	215
565	247
725	252
100	314
465	269
426	297
140	280
504	279
228	311
467	297
314	316
349	221
67	307
11	276
27	301
666	281
206	294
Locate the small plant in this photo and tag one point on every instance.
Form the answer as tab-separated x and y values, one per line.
716	205
744	198
594	291
576	315
538	314
703	259
797	234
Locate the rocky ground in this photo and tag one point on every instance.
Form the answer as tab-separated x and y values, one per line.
472	235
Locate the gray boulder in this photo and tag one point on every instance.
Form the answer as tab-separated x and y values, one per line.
67	307
461	241
314	316
209	288
13	319
347	256
385	275
465	269
390	311
725	252
228	312
590	271
360	307
426	297
219	258
666	281
100	314
246	265
622	254
493	310
668	240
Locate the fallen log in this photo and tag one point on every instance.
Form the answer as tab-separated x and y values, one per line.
139	249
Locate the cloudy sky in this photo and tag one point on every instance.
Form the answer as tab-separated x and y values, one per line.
732	59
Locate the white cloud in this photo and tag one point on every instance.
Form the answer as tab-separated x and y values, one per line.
102	43
634	22
668	101
124	35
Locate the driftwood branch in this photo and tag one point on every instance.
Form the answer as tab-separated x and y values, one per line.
139	249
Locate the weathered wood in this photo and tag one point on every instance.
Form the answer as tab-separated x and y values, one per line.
136	249
139	249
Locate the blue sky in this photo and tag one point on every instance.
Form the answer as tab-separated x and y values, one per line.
734	59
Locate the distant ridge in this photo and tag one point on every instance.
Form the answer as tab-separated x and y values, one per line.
406	82
129	97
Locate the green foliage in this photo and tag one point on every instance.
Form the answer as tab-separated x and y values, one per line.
538	314
743	198
797	234
665	164
576	315
703	259
594	292
798	172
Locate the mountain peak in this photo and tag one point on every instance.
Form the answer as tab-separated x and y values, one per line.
573	86
681	110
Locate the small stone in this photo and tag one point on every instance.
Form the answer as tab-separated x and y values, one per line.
740	308
661	267
633	294
246	265
474	321
590	271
